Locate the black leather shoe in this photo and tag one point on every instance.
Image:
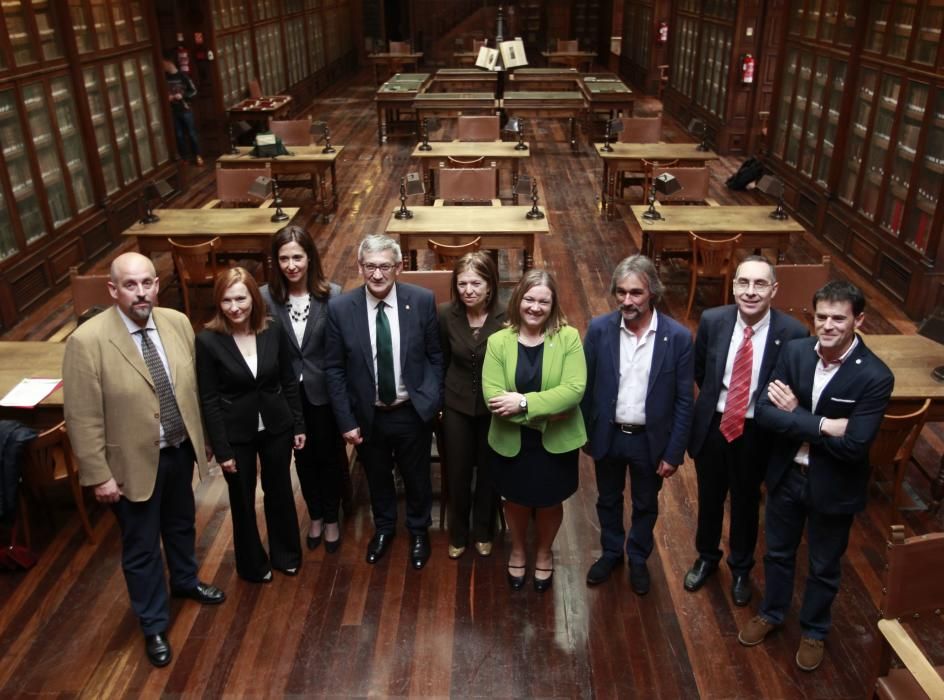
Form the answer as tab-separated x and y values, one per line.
158	649
290	571
331	546
639	578
698	574
312	542
378	546
543	584
601	569
419	550
517	582
203	593
741	590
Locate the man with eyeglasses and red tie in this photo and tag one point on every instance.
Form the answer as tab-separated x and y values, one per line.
384	370
736	349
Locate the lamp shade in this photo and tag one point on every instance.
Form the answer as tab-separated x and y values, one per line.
432	124
770	185
523	186
616	125
260	187
696	124
513	126
666	183
414	184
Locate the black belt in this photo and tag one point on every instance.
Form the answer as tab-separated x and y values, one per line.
387	409
631	428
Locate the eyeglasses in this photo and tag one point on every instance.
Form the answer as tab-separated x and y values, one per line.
371	268
759	285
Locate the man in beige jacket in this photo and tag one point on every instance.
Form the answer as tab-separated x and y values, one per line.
133	416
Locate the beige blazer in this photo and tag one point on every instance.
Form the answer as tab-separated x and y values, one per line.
111	408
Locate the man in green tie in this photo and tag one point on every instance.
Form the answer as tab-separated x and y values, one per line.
384	370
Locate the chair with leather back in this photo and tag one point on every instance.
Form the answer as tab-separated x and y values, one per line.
567	46
49	460
399	47
913	593
796	285
446	255
293	132
88	291
694	182
639	130
468	186
233	184
894	444
478	128
711	259
255	89
196	265
478	43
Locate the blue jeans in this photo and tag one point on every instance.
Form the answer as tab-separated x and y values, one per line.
788	511
185	129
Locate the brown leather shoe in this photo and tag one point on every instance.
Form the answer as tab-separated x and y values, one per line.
455	552
810	654
198	161
484	549
754	632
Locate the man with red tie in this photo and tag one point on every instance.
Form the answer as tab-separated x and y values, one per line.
736	349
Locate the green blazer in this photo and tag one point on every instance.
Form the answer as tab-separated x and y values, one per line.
555	410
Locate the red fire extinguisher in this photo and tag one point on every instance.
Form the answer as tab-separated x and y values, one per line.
183	56
662	34
747	69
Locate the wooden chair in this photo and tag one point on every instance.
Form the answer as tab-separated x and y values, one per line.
439	282
196	265
478	43
49	459
232	186
467	186
796	285
293	132
912	591
400	47
641	130
711	258
567	46
694	182
255	89
478	128
446	255
88	291
894	444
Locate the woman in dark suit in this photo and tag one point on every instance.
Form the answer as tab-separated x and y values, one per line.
250	405
465	323
298	297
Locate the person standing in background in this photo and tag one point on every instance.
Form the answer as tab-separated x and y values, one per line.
180	90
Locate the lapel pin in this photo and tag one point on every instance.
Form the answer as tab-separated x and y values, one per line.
407	307
777	341
858	360
665	339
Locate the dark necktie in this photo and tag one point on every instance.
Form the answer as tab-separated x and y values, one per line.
739	390
386	379
174	430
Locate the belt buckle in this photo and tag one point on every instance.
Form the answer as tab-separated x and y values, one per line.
632	429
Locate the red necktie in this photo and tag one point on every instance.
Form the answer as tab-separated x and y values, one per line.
739	390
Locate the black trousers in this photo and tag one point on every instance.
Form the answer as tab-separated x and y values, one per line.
319	465
398	437
167	515
471	491
274	454
737	468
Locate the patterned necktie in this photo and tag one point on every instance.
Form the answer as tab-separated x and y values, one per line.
174	430
386	379
739	390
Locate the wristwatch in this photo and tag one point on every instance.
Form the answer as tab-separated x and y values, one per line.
523	404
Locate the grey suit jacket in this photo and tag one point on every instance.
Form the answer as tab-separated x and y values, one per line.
307	358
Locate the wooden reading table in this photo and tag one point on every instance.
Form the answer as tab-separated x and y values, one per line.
754	224
543	79
240	230
395	96
573	59
500	228
629	156
605	93
20	359
463	80
260	110
556	105
454	104
447	154
305	160
393	62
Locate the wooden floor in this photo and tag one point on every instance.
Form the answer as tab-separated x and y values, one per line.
343	628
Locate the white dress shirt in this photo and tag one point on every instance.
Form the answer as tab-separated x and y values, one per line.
393	318
635	363
758	344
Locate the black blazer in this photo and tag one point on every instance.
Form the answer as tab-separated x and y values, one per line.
233	399
463	356
711	355
307	358
839	467
349	361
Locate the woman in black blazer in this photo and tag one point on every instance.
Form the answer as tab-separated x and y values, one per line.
465	323
298	297
250	405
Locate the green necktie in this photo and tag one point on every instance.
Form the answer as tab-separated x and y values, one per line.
386	379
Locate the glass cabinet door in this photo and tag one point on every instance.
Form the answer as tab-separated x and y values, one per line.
119	119
49	38
44	143
814	114
81	26
855	137
138	21
98	106
315	42
929	32
879	146
138	113
787	84
905	151
795	132
831	128
928	181
151	97
72	148
23	51
15	159
7	237
101	18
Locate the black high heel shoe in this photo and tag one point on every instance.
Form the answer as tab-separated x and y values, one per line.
517	582
543	584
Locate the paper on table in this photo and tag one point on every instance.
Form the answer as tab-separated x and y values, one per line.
30	392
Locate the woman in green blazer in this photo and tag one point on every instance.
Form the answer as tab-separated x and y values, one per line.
533	378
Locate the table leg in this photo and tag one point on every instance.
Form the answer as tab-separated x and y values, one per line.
573	133
381	125
937	490
324	199
427	183
528	259
781	257
412	259
334	187
514	182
